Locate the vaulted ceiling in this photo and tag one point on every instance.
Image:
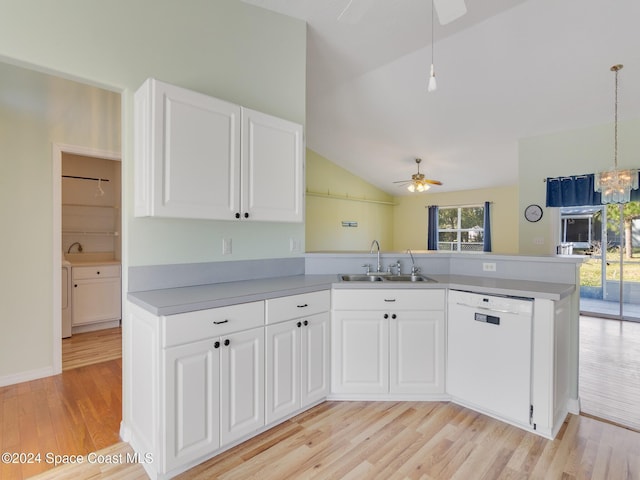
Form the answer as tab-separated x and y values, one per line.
507	69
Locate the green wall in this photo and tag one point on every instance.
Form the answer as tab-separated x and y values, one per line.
224	48
398	222
335	195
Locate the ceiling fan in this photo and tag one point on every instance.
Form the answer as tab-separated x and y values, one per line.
448	10
418	183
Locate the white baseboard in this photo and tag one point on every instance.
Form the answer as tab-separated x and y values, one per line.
92	327
26	376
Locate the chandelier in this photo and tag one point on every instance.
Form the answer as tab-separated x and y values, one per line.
615	185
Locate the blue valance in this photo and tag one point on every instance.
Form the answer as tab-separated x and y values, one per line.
572	191
576	191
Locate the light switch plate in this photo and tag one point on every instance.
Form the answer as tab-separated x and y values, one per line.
227	247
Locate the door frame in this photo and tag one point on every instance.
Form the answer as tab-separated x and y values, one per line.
56	154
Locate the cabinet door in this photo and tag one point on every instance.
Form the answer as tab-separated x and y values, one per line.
191	392
241	384
96	301
282	376
273	162
360	353
315	362
416	343
187	153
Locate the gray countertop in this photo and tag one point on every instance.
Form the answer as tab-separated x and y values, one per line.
185	299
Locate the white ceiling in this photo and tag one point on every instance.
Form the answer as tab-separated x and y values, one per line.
506	70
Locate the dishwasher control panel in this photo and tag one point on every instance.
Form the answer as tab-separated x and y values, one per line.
482	317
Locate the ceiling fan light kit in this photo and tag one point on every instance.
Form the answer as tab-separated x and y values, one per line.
418	182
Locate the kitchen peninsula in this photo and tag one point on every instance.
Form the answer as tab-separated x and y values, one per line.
209	344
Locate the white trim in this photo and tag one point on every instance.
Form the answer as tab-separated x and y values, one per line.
56	152
28	375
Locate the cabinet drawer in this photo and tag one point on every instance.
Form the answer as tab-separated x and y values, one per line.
378	299
194	326
96	271
294	306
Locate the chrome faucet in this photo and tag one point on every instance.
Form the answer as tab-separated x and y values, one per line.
377	244
75	243
414	269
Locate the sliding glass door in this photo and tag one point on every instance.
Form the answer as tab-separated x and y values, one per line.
610	278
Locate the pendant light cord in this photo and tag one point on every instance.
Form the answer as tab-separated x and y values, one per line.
615	68
432	23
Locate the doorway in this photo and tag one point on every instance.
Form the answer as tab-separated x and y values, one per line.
87	224
609	235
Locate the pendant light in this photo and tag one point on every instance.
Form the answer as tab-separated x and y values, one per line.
615	185
432	75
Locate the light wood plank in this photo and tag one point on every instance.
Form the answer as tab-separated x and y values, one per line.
89	348
609	366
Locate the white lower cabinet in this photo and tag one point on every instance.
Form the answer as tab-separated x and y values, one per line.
214	394
192	392
297	365
388	342
297	353
96	294
241	384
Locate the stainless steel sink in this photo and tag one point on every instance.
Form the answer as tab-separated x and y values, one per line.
409	278
361	278
385	278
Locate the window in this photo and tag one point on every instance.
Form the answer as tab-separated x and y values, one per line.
461	229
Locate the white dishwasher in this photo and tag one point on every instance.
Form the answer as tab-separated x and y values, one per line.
489	354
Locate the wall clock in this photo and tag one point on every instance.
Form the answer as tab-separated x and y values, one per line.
533	213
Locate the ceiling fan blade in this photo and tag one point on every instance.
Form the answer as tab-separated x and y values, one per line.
403	181
449	10
354	11
432	182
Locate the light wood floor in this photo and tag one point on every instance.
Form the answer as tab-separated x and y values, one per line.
76	412
91	347
79	412
610	370
406	440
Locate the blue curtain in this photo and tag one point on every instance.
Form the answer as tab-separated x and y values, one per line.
432	228
486	247
573	191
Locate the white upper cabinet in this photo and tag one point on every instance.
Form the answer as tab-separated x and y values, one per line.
187	153
272	162
200	157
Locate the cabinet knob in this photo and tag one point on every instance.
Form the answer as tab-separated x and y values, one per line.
393	316
216	345
237	215
98	272
75	285
226	342
306	322
299	324
386	315
246	214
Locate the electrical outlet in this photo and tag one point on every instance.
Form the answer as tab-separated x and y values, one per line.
489	267
227	247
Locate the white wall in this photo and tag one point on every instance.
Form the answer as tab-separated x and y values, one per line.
224	48
573	152
37	110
